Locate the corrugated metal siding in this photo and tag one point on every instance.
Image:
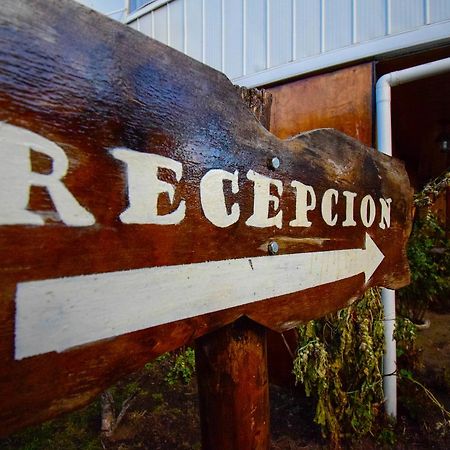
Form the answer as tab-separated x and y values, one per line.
256	36
245	37
370	26
406	15
193	26
175	19
338	24
308	28
439	10
160	24
280	29
134	24
213	33
233	37
146	24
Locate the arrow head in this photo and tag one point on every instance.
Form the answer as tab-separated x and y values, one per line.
372	257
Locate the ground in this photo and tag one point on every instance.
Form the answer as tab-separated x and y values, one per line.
435	344
164	414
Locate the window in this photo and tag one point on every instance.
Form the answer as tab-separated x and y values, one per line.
136	4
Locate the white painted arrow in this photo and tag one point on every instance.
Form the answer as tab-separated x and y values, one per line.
57	314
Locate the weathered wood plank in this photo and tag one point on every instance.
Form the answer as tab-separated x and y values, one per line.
233	385
122	156
342	99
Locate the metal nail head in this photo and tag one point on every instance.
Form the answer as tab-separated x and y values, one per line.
274	163
273	248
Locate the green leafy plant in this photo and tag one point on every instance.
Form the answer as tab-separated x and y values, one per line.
387	437
338	360
183	368
405	334
428	254
71	432
429	260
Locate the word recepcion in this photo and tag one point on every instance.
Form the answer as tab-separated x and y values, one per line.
145	188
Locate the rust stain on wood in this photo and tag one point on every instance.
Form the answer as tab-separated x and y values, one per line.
342	100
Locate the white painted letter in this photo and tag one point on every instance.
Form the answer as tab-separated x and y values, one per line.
144	187
16	178
350	202
367	210
213	199
262	199
327	206
302	206
385	220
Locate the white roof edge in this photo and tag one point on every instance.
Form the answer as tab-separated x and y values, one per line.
426	34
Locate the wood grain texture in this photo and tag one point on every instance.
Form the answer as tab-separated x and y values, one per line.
342	99
89	84
233	386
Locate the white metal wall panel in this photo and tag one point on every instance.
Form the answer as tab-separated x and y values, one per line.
406	15
338	24
213	33
194	28
146	24
256	36
439	10
307	28
280	31
370	19
264	39
160	30
175	15
134	24
233	35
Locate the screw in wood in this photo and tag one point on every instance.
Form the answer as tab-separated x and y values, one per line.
274	163
273	248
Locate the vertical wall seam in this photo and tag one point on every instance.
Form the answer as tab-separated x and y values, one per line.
203	32
244	37
223	34
388	17
153	24
168	24
268	34
427	12
322	26
294	30
354	22
185	27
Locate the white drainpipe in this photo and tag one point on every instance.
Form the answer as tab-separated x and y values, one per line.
384	143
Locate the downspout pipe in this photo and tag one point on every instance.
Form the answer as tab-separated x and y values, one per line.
384	145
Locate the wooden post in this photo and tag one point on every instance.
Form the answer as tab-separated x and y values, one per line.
233	387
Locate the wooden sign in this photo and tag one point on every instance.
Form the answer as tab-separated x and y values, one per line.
142	206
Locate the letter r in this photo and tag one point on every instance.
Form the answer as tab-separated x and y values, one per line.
16	178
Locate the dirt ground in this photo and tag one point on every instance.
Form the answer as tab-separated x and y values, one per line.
435	344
